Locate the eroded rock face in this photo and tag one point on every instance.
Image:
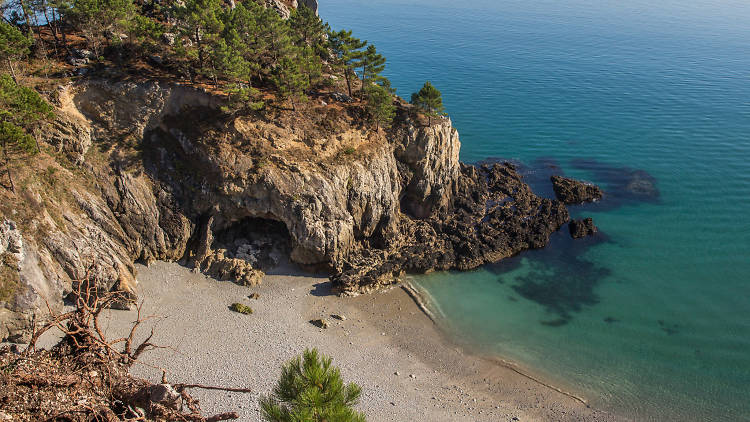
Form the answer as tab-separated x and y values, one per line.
582	228
428	156
571	191
173	178
491	215
283	8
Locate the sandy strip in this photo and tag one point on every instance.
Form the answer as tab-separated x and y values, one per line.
383	334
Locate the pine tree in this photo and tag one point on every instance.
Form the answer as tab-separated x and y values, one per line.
275	39
201	23
13	46
95	17
380	105
48	9
308	29
21	108
310	65
289	81
373	64
347	53
240	51
429	100
243	97
311	389
145	34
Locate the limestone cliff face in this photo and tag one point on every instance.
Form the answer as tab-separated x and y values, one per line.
429	157
284	7
158	172
160	177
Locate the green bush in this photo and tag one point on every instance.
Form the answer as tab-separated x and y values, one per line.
243	309
311	389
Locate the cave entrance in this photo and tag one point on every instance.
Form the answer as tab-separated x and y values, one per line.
263	242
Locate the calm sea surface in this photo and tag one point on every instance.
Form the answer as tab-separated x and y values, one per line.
651	319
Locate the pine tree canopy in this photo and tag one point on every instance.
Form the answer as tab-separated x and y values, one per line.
429	100
13	43
347	50
20	109
311	390
13	46
246	45
20	105
373	64
380	104
309	30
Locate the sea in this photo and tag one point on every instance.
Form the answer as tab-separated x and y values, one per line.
650	319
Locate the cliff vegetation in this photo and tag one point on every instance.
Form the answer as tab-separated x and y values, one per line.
233	138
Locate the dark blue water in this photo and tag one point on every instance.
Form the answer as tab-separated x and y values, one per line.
653	319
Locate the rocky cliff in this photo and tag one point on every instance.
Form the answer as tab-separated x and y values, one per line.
144	171
284	7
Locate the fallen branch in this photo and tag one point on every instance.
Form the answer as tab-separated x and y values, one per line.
180	387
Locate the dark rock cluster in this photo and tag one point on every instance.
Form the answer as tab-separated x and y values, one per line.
582	228
571	191
493	214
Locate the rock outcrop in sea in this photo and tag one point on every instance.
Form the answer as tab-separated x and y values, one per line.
582	228
571	191
157	171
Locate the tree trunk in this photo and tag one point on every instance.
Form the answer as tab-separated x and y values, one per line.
12	71
26	17
213	75
64	36
200	48
364	78
52	26
7	168
348	82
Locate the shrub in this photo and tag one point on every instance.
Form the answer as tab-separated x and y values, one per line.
311	389
240	308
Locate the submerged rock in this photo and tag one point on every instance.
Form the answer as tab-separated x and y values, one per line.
642	185
624	184
582	228
571	191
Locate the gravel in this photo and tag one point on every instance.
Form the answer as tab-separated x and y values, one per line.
383	334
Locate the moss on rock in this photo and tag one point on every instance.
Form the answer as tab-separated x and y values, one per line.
242	309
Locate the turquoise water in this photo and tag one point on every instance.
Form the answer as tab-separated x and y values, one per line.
652	320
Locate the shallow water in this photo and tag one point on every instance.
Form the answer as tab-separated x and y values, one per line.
652	319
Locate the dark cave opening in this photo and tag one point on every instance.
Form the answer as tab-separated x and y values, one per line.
265	243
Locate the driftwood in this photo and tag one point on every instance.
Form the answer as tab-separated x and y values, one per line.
86	377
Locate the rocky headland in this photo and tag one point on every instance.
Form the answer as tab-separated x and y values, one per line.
138	171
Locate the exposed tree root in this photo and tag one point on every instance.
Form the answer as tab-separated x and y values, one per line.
86	377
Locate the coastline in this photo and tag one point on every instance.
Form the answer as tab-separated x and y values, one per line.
383	334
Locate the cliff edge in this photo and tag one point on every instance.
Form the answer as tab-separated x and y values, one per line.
146	170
